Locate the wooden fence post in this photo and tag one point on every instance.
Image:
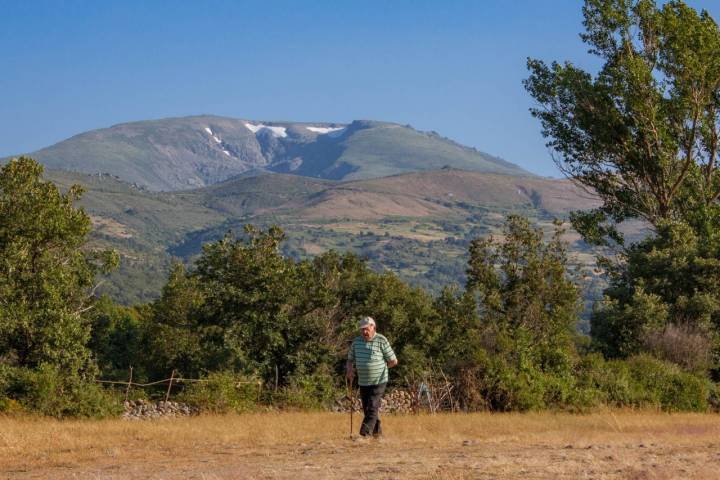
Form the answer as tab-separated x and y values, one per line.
127	390
167	394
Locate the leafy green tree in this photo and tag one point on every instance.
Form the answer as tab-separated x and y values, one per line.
116	339
522	284
174	335
249	288
527	311
642	134
459	338
46	273
246	308
665	297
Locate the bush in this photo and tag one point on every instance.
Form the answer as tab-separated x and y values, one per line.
511	389
309	392
223	392
495	384
688	346
47	391
639	382
666	386
642	381
602	382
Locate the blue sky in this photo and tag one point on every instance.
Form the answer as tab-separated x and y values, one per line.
455	67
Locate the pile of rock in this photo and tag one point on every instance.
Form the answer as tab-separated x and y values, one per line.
395	401
147	410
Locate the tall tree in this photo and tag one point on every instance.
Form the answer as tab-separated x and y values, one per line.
518	350
643	134
523	287
46	273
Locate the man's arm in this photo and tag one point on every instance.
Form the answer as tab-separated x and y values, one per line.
389	355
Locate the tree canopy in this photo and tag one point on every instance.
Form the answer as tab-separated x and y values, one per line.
643	132
46	273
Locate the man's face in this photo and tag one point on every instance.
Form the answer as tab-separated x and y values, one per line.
368	332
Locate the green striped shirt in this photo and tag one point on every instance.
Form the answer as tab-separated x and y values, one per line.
370	359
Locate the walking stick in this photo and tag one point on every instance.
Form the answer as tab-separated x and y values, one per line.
350	399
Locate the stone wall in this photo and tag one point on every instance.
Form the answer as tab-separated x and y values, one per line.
395	401
147	410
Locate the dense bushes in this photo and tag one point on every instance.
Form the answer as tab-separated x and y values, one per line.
308	392
223	392
638	382
48	391
250	317
643	381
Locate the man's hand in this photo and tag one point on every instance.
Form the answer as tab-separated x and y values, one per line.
349	372
392	363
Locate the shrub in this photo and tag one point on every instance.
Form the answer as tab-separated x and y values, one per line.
511	389
664	385
495	384
309	392
47	391
688	346
642	381
468	381
603	382
223	392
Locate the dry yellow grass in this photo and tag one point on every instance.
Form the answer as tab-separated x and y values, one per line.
610	445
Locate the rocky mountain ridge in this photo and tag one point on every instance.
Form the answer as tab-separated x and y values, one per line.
197	151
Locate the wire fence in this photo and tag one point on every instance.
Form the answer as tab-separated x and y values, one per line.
170	382
433	392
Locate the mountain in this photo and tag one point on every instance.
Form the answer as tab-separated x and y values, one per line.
191	152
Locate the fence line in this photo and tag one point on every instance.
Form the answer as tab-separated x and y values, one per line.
170	381
174	379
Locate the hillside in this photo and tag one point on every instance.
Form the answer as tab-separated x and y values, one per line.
418	225
440	192
191	152
140	225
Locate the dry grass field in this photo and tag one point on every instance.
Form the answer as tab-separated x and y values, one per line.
609	445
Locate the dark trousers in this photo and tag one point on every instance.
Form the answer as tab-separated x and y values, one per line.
371	395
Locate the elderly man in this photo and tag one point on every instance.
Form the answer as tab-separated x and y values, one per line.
372	355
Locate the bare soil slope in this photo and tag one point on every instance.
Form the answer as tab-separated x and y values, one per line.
433	193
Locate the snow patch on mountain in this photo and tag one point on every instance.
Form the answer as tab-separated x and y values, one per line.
325	130
214	137
275	131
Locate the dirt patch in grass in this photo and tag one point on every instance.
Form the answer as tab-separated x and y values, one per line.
409	230
110	227
313	248
300	445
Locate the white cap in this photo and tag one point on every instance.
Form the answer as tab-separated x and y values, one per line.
366	322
